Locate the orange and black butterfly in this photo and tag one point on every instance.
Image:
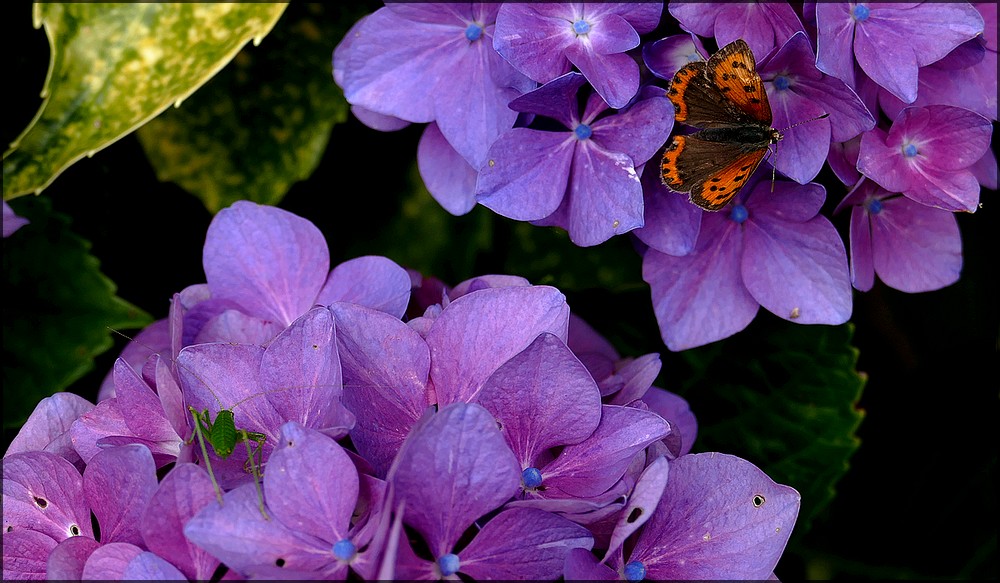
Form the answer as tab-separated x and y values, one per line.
726	98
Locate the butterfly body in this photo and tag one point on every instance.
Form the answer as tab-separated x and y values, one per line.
725	97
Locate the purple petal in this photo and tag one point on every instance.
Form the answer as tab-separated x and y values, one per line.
453	469
47	428
533	38
145	417
556	99
725	520
593	350
147	566
153	339
644	499
398	78
615	77
763	26
893	42
238	535
883	163
478	332
235	326
633	378
44	492
446	174
523	543
797	271
639	131
955	138
11	221
171	399
787	201
952	191
269	261
485	282
609	33
182	493
104	420
666	56
373	281
676	410
378	121
67	560
110	561
118	483
385	366
311	485
800	155
700	298
300	371
605	196
915	248
542	397
582	565
835	40
671	223
696	17
26	553
594	465
527	174
843	160
985	170
862	266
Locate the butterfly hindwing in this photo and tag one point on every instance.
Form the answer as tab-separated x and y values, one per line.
733	72
717	189
712	172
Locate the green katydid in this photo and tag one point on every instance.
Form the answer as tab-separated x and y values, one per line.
222	435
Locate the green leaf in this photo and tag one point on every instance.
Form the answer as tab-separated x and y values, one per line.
263	123
58	307
113	67
783	396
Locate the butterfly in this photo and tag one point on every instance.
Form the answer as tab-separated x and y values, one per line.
725	97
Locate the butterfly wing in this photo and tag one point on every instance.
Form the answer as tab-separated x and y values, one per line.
711	172
733	71
725	91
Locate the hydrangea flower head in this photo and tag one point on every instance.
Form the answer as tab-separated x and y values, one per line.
433	62
544	41
890	41
769	249
912	247
927	155
583	177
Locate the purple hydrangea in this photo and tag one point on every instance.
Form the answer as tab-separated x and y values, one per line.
927	155
890	42
770	249
911	246
540	439
11	221
544	41
584	177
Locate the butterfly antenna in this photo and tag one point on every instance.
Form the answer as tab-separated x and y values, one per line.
818	117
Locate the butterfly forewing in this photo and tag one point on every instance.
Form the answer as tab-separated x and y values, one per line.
733	71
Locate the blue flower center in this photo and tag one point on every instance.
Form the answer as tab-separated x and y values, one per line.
695	56
581	27
861	13
583	131
782	82
635	571
739	213
449	564
473	32
909	150
874	206
531	478
344	550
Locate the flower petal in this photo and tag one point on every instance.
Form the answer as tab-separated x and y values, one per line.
373	281
26	554
446	174
44	492
48	426
526	176
118	484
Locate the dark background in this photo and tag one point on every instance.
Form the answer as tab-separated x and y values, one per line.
919	499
